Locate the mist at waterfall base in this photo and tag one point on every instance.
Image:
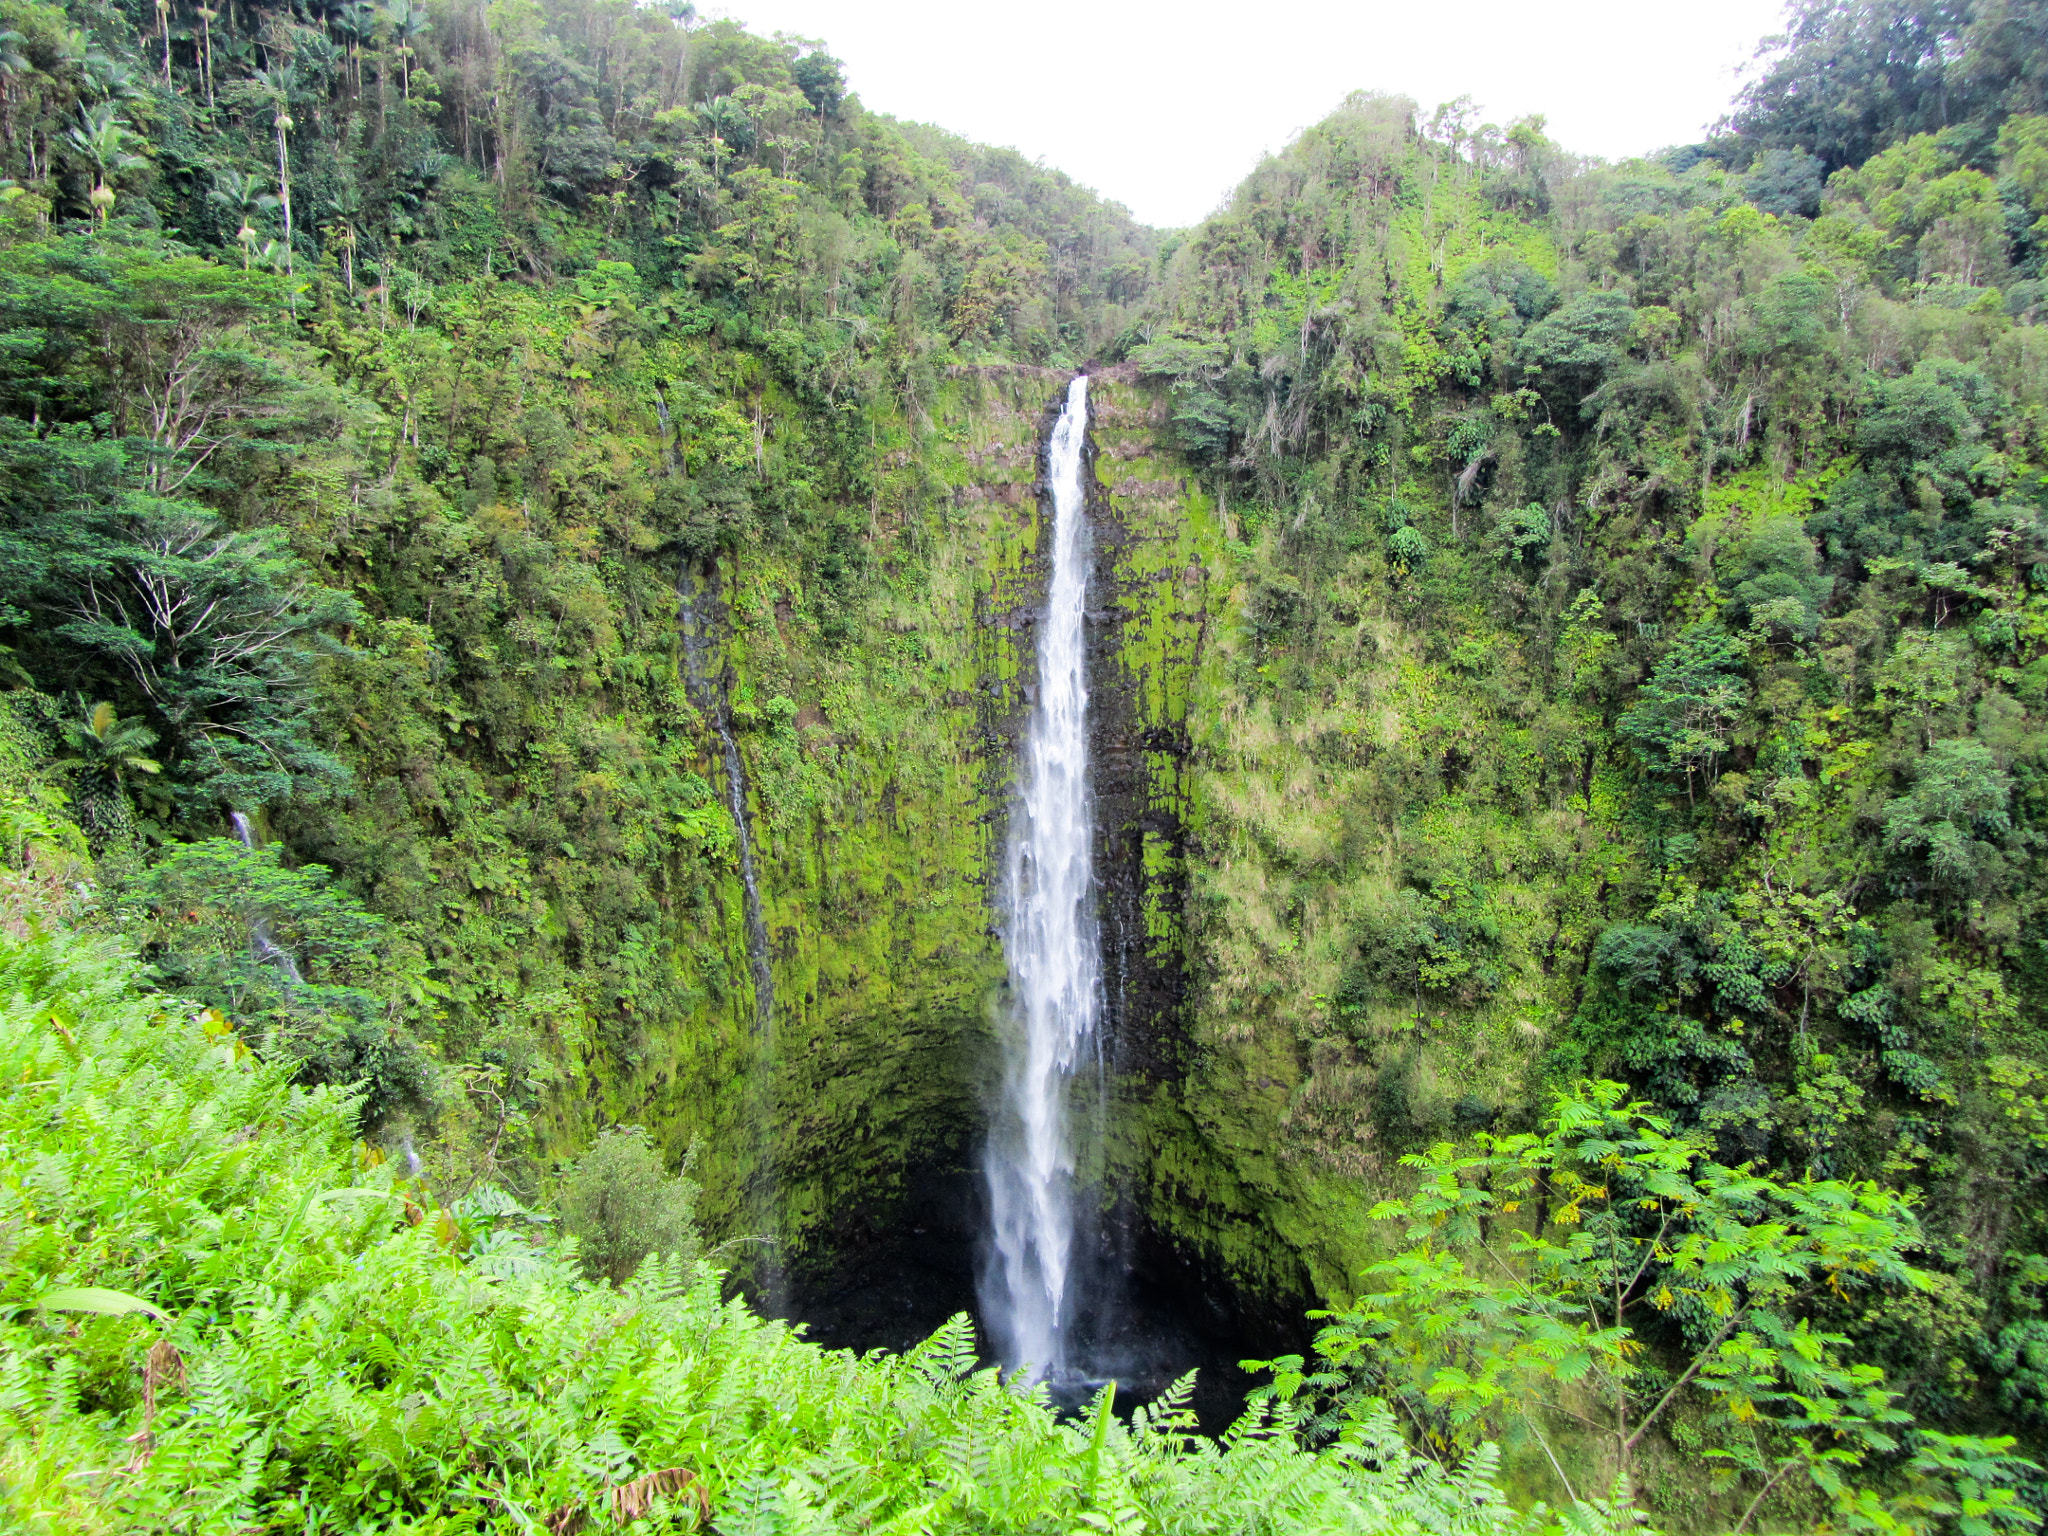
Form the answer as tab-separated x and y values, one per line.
1066	1289
1155	1319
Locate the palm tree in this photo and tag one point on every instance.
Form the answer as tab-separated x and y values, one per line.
723	115
276	85
409	22
101	138
347	208
272	258
13	65
357	24
684	14
163	21
102	747
112	80
244	197
206	20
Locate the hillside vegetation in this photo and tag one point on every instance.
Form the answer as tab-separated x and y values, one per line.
321	1355
513	527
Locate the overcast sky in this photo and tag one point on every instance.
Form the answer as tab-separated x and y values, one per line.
1165	107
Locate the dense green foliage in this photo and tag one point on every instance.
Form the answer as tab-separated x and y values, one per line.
622	1205
1639	673
371	377
1621	1234
1845	81
1602	635
196	1249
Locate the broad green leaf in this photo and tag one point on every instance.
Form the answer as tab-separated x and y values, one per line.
95	1298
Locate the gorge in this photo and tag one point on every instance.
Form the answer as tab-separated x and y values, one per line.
660	732
1085	642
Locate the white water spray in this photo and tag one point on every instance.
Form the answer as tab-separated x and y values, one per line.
1053	952
266	947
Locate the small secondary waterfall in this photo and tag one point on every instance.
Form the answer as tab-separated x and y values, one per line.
736	802
1053	953
712	701
266	947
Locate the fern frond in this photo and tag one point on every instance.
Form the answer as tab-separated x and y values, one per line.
950	1355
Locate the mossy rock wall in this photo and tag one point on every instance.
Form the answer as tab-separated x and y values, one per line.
879	768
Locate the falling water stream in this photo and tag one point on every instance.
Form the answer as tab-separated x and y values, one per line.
735	802
711	699
1054	957
267	948
1072	1289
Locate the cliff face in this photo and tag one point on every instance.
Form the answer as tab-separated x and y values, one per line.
1209	1164
1235	1161
878	772
877	768
1179	1205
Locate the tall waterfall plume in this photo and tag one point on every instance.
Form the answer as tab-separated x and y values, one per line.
1054	957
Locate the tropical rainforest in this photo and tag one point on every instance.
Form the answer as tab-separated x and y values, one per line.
520	525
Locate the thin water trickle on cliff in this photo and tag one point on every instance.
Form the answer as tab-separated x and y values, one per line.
1054	956
736	801
267	948
711	699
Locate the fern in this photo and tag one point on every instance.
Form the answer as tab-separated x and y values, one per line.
1167	1425
950	1355
345	1370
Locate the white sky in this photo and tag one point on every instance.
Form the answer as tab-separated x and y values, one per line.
1165	107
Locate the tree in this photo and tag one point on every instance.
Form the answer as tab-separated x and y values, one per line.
409	23
1843	81
207	17
356	21
1945	830
232	926
623	1205
1680	721
729	128
1573	349
1785	182
1939	217
215	628
244	197
165	343
104	747
817	75
274	87
1549	1265
102	751
1774	579
145	596
102	139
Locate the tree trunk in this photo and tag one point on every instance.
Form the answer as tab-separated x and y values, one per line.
284	189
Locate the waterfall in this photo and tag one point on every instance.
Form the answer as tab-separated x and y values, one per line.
1053	954
712	701
266	947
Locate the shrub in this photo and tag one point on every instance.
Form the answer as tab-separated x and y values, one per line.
623	1205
